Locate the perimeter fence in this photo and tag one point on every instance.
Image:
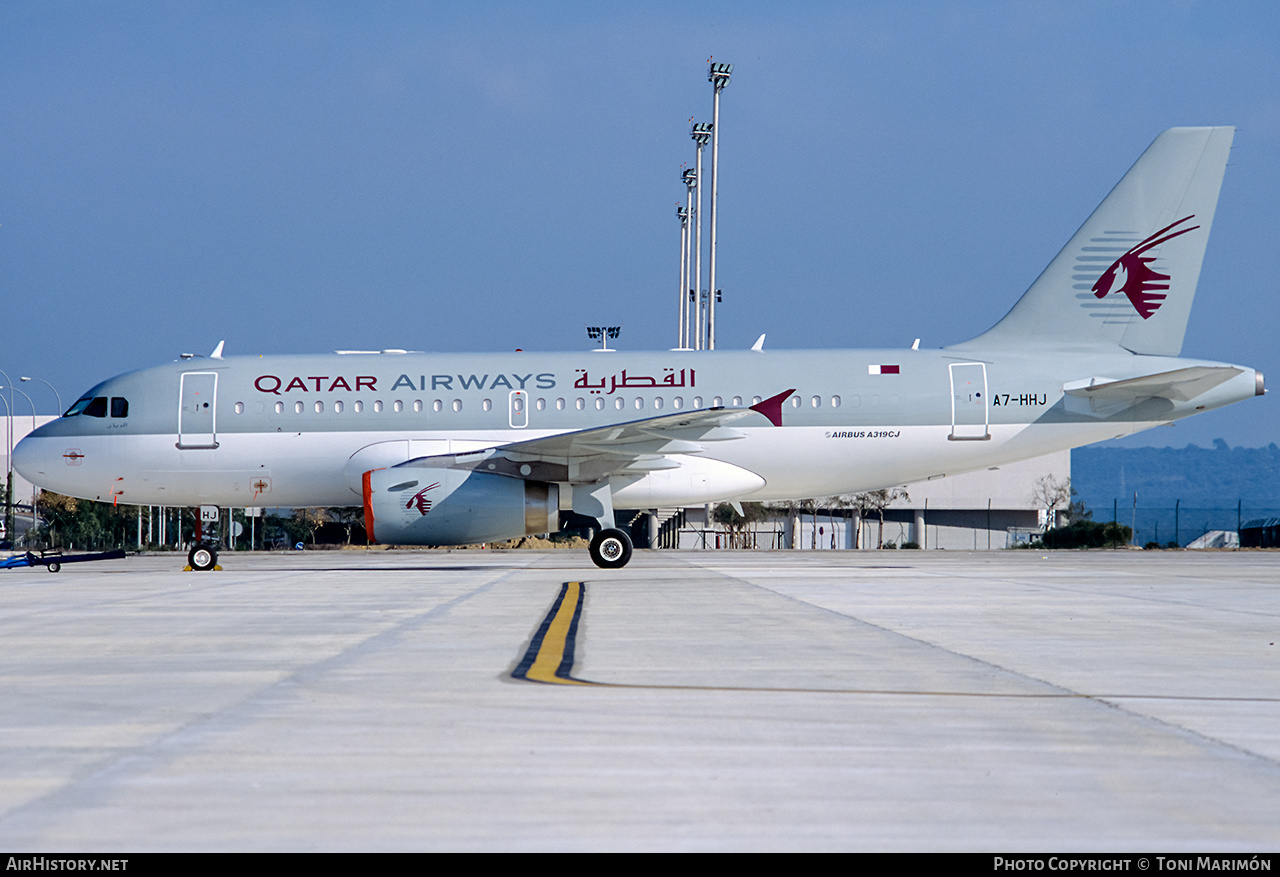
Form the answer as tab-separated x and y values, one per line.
1179	523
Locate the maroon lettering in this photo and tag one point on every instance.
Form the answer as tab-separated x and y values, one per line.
268	389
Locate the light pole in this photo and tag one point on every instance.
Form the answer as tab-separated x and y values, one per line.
603	334
8	522
690	177
8	458
56	394
718	75
683	215
701	134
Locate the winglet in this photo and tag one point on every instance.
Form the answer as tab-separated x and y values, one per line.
772	407
217	351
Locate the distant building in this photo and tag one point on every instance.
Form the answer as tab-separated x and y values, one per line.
990	509
1260	533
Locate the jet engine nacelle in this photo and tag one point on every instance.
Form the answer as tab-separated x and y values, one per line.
421	506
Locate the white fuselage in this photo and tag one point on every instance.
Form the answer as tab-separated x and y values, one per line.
301	431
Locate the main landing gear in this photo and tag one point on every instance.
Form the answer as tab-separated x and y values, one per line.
610	549
202	557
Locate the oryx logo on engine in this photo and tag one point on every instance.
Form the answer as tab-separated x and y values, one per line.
420	500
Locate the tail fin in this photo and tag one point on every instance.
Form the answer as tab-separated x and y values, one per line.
1128	275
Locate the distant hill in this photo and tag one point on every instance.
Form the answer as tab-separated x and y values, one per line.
1216	477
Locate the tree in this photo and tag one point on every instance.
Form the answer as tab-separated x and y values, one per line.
347	517
736	525
877	501
312	519
1051	494
1087	534
82	523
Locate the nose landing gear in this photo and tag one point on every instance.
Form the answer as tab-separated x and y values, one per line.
202	558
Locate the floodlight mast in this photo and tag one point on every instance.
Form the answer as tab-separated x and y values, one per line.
718	75
682	311
690	177
701	134
603	333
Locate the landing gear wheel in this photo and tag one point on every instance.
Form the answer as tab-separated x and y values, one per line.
202	557
611	549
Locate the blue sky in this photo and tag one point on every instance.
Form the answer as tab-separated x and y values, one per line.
304	177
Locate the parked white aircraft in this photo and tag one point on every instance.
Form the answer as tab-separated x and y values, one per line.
450	449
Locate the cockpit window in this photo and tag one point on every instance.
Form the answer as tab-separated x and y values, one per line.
79	407
96	406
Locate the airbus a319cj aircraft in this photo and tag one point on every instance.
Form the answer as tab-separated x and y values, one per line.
445	449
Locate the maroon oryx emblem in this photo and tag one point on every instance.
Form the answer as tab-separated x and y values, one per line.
420	500
1138	280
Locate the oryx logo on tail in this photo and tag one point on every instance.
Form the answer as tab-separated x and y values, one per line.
1132	273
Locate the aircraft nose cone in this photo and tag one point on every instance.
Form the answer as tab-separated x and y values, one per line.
30	459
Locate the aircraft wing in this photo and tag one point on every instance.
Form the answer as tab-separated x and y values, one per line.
1104	396
587	455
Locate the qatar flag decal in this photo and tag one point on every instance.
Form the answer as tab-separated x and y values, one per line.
882	370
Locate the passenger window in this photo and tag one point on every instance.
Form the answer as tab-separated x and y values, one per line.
97	408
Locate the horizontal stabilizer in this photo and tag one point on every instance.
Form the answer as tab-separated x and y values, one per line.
1102	397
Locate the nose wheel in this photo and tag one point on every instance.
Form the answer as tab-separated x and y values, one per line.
610	549
202	557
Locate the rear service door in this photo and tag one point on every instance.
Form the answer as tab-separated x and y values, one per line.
968	402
